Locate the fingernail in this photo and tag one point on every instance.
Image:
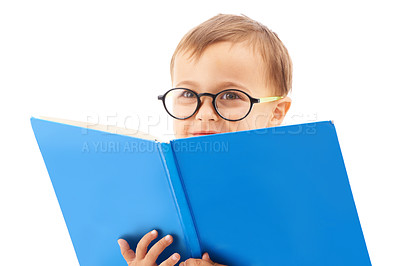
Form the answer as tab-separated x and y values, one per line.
175	256
168	238
154	232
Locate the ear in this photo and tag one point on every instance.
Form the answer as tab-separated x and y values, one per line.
279	111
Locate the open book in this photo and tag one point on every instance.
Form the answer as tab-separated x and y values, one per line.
271	196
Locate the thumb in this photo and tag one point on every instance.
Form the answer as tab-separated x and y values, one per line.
206	257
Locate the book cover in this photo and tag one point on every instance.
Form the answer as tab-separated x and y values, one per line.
272	196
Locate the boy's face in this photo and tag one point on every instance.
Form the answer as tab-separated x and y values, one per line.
220	63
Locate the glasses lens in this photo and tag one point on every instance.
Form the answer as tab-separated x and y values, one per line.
181	103
233	104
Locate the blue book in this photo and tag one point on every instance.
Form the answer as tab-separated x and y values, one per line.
271	196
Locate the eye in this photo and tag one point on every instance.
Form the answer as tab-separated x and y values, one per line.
230	95
188	94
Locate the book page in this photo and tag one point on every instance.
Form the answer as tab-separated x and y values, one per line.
105	128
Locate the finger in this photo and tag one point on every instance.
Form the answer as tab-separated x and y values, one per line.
159	247
207	258
172	260
126	251
141	248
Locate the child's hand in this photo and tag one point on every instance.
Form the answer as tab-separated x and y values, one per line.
144	258
205	261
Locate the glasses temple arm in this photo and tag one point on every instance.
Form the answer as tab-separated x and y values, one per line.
269	99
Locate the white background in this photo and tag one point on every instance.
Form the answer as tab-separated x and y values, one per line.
80	59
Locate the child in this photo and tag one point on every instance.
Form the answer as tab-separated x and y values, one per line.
230	73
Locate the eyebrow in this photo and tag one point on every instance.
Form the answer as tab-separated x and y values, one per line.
221	85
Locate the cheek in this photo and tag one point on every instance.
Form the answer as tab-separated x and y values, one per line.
181	128
258	118
178	127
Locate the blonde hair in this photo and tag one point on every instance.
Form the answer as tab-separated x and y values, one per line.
237	29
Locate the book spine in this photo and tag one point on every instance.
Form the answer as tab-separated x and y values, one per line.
181	203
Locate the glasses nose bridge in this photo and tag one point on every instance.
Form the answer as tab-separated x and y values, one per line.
206	94
201	103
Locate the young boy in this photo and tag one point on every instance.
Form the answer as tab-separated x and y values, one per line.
230	73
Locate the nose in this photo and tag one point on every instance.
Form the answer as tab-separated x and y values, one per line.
206	110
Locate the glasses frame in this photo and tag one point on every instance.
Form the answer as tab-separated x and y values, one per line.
214	96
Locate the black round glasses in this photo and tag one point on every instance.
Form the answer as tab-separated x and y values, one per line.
230	104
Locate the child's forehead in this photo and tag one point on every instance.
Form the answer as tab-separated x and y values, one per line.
220	65
219	57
